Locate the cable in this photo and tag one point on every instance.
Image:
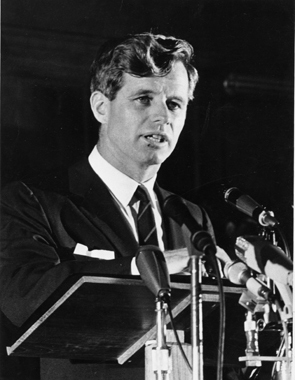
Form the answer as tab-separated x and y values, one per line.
285	243
222	316
286	336
177	338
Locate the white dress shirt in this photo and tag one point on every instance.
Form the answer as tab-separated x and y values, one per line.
122	189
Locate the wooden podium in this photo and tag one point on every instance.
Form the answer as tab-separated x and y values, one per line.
105	319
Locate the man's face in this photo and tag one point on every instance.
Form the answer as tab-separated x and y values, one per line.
144	121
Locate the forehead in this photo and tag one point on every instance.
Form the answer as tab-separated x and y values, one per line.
174	83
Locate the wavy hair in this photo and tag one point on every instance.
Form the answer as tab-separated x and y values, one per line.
140	55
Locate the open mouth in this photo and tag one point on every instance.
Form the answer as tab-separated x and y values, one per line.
156	138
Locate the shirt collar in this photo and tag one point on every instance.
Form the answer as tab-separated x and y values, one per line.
120	185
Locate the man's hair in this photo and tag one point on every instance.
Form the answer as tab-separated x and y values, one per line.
140	55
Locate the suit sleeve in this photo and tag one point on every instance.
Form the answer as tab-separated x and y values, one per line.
31	267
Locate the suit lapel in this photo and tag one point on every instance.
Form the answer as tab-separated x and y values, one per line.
96	202
172	232
98	205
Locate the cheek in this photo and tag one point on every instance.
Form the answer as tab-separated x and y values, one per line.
127	120
178	127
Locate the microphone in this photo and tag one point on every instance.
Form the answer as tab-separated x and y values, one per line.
238	273
153	270
265	258
176	208
249	206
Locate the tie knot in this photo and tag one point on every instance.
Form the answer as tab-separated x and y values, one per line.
141	194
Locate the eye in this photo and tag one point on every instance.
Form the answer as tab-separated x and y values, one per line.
173	106
146	100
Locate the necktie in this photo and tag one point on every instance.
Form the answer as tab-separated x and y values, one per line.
146	226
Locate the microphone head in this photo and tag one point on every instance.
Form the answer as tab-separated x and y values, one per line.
243	202
173	207
176	208
236	272
264	257
153	270
231	195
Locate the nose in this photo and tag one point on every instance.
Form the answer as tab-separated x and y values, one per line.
160	113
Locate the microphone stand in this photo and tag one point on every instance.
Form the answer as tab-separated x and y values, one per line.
198	242
285	368
202	245
197	316
153	270
283	361
161	359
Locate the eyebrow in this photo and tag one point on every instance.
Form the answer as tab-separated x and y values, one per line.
144	92
152	92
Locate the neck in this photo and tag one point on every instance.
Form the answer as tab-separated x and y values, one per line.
139	173
143	175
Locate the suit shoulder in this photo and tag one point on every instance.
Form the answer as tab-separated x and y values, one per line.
52	182
17	195
197	211
164	194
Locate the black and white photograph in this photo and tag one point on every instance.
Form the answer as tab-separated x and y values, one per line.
147	190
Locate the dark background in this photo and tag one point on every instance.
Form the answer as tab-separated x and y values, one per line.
239	130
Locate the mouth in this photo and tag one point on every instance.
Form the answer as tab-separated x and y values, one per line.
156	138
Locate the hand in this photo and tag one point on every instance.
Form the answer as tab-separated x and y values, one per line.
177	260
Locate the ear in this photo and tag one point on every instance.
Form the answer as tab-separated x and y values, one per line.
99	105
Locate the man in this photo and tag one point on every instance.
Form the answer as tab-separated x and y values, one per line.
85	222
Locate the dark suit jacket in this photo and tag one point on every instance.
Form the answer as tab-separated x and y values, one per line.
42	223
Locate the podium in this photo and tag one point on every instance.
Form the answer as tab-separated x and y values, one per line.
105	319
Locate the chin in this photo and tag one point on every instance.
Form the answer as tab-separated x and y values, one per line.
158	159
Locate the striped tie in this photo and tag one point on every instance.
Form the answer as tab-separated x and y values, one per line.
146	226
